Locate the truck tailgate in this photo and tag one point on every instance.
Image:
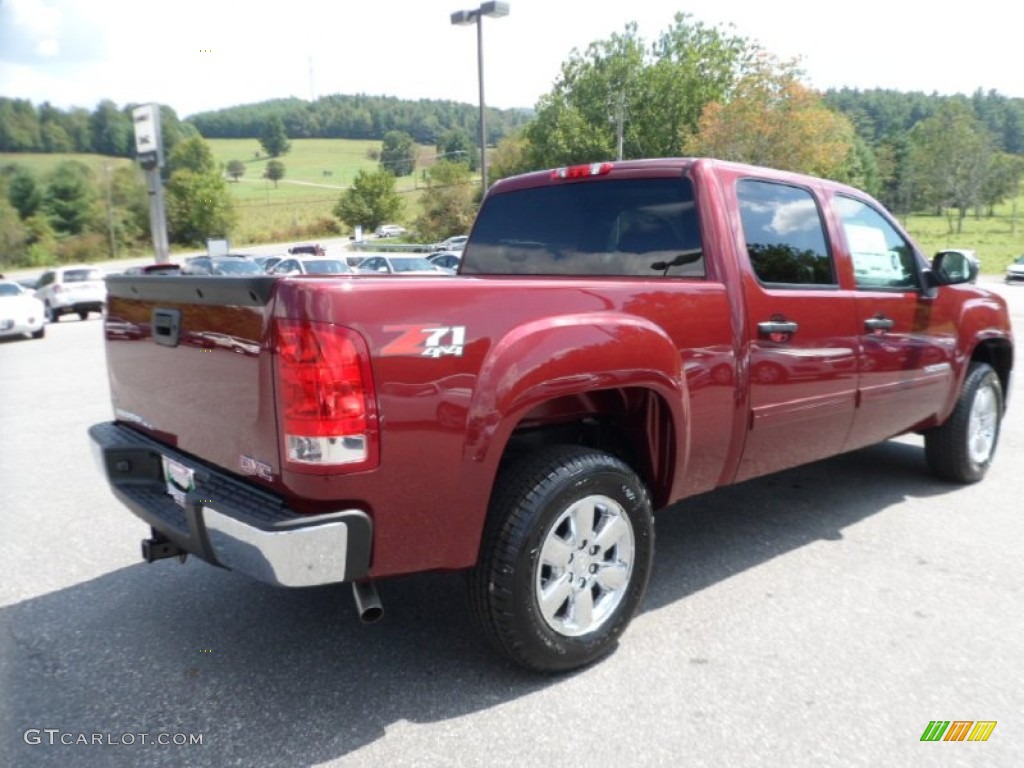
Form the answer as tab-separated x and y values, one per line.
190	364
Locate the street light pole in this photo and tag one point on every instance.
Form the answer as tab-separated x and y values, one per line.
494	10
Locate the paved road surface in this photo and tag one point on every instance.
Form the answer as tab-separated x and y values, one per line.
819	617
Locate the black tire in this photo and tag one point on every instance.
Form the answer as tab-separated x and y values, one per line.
40	333
52	315
544	508
83	314
961	450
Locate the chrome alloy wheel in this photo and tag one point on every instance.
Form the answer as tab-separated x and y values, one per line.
584	566
983	426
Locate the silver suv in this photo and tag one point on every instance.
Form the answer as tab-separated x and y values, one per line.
66	290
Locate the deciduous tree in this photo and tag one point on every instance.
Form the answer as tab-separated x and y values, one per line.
371	201
274	138
274	171
198	206
770	118
952	155
236	169
447	203
398	153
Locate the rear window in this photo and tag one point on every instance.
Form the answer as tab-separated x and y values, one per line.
82	275
329	267
630	227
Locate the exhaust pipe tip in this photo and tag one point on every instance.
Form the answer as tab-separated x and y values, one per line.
368	604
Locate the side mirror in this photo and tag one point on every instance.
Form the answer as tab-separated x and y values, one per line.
953	268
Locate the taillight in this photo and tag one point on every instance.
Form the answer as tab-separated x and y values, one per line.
325	395
579	171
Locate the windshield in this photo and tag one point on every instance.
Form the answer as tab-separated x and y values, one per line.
236	267
9	289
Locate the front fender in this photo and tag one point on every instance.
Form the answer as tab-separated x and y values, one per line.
567	355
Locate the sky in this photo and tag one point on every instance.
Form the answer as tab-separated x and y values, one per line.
197	55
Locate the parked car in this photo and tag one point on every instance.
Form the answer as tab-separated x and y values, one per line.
20	312
221	265
453	243
164	268
310	265
268	262
392	264
65	290
310	248
390	230
1016	270
446	260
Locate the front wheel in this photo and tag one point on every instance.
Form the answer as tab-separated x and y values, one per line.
961	450
565	560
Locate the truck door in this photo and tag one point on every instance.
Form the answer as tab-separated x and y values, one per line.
801	331
907	341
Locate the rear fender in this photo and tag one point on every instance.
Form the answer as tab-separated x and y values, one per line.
569	355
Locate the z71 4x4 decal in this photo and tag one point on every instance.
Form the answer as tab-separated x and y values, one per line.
426	341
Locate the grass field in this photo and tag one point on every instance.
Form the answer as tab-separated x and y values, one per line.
317	172
300	207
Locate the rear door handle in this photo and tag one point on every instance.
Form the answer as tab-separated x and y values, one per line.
878	324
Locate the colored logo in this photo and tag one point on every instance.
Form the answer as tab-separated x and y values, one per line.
958	730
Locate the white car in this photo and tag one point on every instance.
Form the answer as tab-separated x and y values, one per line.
390	230
65	290
1016	270
20	311
398	265
453	243
310	265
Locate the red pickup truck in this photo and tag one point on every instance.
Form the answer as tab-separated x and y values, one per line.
620	336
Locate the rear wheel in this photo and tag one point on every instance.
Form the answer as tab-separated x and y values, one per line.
565	559
52	314
961	450
40	333
83	314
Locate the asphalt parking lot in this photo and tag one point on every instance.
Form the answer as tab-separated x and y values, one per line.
819	617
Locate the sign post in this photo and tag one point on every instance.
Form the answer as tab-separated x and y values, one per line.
150	152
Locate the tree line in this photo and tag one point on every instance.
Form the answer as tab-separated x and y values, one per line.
695	90
356	117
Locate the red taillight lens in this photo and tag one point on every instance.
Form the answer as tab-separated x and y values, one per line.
580	171
325	394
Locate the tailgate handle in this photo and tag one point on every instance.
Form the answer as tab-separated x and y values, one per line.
166	326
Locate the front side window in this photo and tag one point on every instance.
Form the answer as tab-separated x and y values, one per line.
621	227
784	233
882	257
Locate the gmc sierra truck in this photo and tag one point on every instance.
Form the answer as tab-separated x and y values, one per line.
620	336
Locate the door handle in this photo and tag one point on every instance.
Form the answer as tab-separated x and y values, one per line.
878	324
773	328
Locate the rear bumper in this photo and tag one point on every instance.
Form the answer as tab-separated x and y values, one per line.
228	522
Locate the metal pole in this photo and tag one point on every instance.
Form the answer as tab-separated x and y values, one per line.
157	216
483	122
110	216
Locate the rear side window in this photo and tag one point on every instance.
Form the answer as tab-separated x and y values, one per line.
784	233
631	227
